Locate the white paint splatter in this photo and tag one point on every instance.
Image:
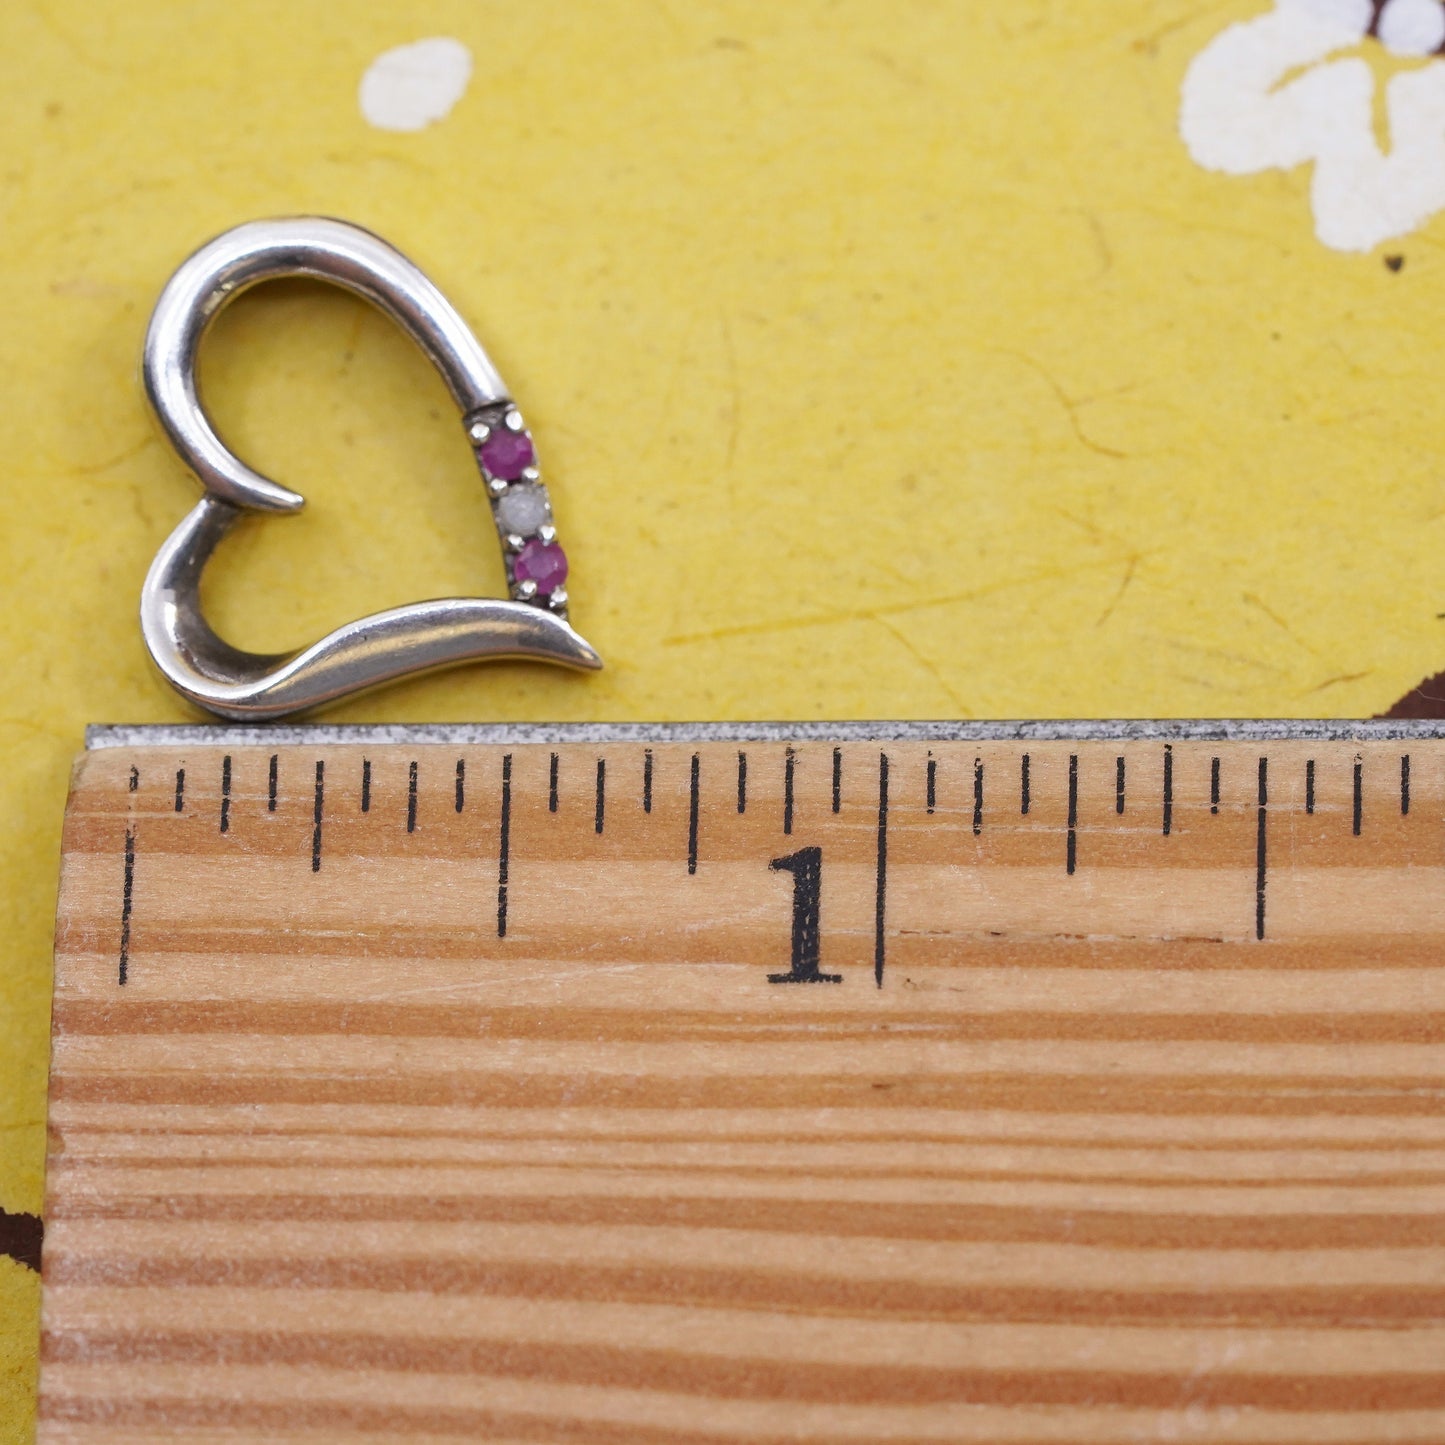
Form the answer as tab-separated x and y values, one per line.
1412	27
1265	95
413	86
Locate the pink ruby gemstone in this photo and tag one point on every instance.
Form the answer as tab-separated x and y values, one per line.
544	563
507	454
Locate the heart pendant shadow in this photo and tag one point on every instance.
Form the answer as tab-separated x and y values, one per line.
377	649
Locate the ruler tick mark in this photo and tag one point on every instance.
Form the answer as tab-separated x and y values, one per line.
880	901
601	794
1405	785
316	814
366	785
789	762
1071	860
226	794
134	779
127	902
932	782
1359	812
1119	786
411	797
837	779
1214	785
180	790
647	781
272	775
977	796
552	785
1168	788
1024	786
742	782
1310	786
504	842
1261	861
461	784
694	791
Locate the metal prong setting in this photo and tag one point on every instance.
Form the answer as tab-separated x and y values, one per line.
514	484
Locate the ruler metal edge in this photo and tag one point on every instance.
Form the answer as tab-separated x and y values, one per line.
99	736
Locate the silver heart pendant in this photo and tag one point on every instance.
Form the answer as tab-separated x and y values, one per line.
387	645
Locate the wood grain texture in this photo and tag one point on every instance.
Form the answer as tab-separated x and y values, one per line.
341	1160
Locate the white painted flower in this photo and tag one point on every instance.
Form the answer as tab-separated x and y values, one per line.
1274	93
414	85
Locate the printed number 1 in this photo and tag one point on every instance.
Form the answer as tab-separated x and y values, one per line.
806	866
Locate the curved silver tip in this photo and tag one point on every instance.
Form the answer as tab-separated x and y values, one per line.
363	654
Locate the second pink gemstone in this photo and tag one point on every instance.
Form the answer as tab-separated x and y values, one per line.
544	563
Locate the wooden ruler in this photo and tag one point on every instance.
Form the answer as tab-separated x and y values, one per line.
645	1087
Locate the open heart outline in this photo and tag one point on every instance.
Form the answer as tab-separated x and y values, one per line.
386	645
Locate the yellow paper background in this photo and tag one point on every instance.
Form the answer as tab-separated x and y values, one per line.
885	360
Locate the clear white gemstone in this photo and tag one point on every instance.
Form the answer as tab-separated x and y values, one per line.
523	509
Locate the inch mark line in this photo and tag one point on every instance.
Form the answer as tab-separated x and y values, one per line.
977	796
789	763
366	785
134	778
316	814
694	791
647	780
1310	786
1024	787
461	784
1359	795
881	894
601	794
1072	855
552	786
742	782
837	779
1405	785
1168	788
504	844
1119	786
127	904
226	794
271	780
411	798
1261	858
1214	785
180	790
932	783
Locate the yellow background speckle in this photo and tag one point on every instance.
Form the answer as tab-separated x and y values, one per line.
884	359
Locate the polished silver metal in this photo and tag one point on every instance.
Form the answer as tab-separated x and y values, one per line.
373	650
